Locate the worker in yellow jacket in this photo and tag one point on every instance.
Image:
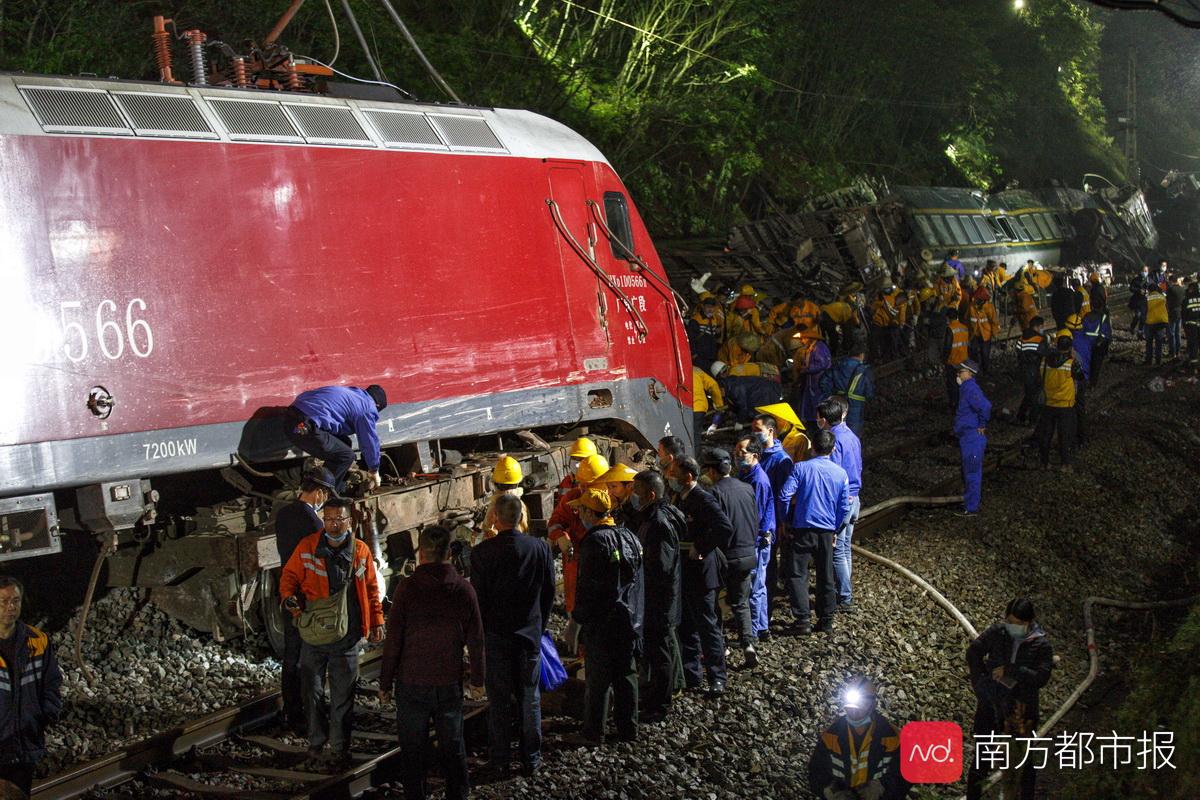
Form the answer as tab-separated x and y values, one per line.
1060	372
706	400
984	325
1156	323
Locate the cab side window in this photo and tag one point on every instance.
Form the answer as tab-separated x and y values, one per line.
616	213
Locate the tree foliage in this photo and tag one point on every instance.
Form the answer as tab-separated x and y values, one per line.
712	110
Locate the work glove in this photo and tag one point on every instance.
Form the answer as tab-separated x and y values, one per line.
872	791
373	480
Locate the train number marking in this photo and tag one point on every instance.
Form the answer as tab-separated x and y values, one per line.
169	448
79	330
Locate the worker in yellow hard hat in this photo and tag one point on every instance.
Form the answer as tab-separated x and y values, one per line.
506	479
581	449
565	530
618	480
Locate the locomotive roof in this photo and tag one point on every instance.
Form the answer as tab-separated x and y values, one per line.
54	106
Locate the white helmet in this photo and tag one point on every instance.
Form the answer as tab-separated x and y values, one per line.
717	368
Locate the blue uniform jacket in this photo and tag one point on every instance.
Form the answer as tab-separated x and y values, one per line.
837	380
778	466
344	410
974	410
764	498
30	697
847	454
821	490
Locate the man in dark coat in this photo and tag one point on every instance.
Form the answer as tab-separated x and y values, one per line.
708	531
1008	664
434	616
513	576
30	689
1064	301
295	521
609	604
741	558
659	528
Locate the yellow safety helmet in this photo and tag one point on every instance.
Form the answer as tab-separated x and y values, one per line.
591	468
782	411
1063	333
618	473
747	290
1074	323
583	448
507	470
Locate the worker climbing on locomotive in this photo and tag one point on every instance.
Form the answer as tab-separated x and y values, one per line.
321	421
857	757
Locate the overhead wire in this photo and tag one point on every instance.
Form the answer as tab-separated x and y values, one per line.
337	37
404	92
362	41
412	42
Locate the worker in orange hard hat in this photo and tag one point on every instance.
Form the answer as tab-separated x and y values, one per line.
506	479
566	530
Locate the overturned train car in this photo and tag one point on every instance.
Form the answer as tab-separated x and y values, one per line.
179	262
868	237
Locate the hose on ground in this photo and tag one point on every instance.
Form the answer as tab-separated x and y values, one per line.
107	548
937	596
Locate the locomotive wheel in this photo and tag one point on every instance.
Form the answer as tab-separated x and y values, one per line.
269	610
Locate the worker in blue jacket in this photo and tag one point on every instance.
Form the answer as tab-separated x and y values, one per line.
847	454
30	689
970	426
321	421
1097	326
852	378
746	455
820	490
778	466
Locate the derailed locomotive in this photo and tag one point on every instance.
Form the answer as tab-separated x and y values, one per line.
180	261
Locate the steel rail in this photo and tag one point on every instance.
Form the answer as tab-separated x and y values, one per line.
126	764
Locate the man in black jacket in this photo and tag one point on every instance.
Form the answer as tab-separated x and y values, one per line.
1064	301
708	530
295	521
1008	664
741	557
659	528
609	604
513	576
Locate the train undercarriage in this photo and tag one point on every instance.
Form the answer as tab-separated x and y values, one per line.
203	544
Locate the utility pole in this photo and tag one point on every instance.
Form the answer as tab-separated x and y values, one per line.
1130	120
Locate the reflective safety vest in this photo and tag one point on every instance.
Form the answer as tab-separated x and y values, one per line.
1191	310
1059	384
850	756
1156	308
852	390
886	313
949	295
959	336
1085	303
984	324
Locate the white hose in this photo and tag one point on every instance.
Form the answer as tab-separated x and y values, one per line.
1088	603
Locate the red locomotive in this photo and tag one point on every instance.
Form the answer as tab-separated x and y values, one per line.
178	260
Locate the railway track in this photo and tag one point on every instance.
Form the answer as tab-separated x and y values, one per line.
187	760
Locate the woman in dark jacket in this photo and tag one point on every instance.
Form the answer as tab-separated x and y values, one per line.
1009	663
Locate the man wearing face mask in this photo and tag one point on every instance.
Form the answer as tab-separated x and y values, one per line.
847	454
1008	664
857	756
609	607
669	449
293	523
750	472
659	527
778	466
708	530
322	565
738	502
618	481
970	426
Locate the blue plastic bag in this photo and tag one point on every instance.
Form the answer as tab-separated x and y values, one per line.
554	674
